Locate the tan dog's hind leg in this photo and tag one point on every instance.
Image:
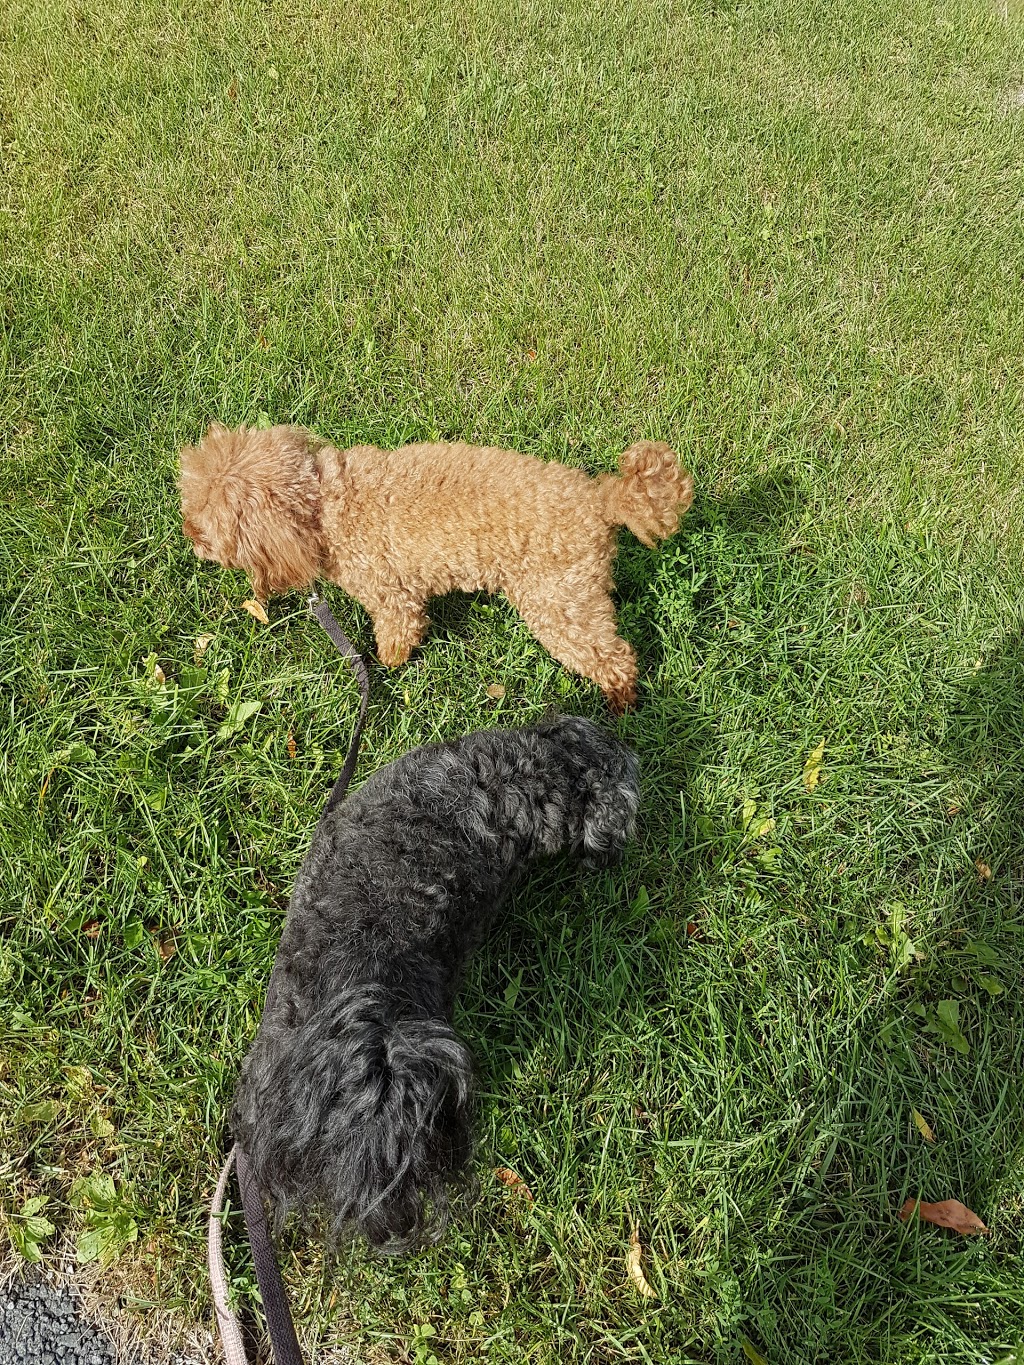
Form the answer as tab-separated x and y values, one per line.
582	635
398	630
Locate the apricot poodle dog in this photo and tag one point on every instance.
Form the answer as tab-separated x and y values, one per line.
396	527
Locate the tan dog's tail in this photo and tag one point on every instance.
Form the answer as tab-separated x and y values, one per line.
651	494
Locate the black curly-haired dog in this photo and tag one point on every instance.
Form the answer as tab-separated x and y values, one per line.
354	1100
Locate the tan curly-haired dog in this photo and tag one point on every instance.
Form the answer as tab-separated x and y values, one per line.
396	527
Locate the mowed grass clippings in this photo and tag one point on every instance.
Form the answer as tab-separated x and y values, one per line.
787	239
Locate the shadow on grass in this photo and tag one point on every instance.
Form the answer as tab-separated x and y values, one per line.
899	950
941	1041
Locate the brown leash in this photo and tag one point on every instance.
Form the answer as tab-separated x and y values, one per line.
280	1327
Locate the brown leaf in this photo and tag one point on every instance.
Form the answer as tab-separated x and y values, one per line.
984	871
531	355
232	91
166	947
514	1182
634	1266
692	930
950	1213
201	645
257	609
496	691
92	929
923	1126
291	745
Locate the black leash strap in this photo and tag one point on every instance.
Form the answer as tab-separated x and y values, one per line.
323	614
280	1327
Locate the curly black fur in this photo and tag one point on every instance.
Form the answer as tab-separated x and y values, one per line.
355	1097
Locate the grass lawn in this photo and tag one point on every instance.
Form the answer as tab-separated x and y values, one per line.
785	237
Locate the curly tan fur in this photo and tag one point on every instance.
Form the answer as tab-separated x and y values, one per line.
397	527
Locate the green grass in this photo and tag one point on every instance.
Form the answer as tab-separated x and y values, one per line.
786	237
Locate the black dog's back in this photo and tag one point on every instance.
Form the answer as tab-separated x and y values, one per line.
355	1097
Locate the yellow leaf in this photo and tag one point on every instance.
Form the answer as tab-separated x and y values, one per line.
755	825
201	645
100	1126
984	871
496	691
754	1356
635	1268
258	610
812	768
79	1079
923	1126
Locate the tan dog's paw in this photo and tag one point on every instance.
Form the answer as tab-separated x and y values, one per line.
621	699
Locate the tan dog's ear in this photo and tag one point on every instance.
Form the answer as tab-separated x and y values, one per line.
251	500
277	543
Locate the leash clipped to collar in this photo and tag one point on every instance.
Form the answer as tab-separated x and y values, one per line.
280	1328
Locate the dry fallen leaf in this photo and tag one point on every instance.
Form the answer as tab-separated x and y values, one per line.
291	745
950	1213
100	1126
232	91
984	871
158	674
166	947
79	1080
201	645
514	1182
531	355
634	1267
257	609
92	929
496	691
923	1126
812	768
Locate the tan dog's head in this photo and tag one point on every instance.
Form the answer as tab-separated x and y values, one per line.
251	500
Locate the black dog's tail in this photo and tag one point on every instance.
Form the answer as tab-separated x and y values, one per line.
360	1113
